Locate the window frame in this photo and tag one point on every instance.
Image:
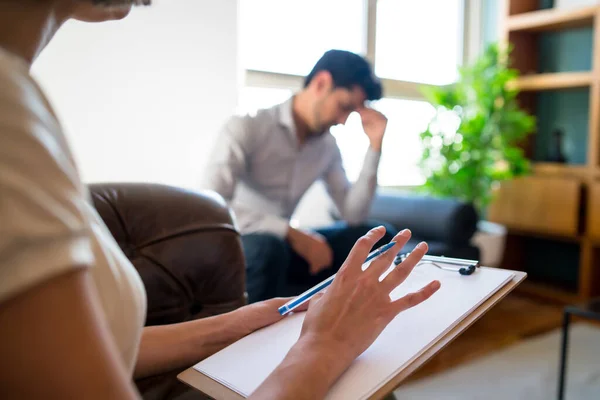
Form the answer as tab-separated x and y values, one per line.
472	44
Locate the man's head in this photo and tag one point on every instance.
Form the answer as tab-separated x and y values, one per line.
339	84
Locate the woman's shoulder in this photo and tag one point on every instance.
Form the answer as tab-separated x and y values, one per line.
21	98
45	231
16	84
28	124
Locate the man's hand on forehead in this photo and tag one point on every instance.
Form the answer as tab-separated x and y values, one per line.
374	123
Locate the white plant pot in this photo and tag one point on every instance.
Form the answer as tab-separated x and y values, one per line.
491	240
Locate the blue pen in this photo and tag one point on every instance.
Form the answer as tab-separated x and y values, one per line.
309	294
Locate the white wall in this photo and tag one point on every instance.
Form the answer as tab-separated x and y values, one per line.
142	99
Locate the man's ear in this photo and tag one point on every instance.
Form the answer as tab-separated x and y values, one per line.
322	82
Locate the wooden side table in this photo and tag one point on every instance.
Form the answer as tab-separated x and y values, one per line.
589	310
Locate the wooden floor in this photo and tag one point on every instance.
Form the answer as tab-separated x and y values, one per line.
512	320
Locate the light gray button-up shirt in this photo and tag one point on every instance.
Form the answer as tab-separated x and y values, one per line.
260	168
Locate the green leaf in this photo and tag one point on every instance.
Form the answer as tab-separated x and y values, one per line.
491	125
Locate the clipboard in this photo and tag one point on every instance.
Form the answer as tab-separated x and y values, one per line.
218	391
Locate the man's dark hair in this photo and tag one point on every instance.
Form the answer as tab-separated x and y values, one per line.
348	70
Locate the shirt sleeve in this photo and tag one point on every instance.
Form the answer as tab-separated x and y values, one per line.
228	163
353	201
43	231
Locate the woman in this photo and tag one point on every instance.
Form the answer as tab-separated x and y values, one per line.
72	307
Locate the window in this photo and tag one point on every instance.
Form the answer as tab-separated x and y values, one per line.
289	36
401	145
419	41
415	43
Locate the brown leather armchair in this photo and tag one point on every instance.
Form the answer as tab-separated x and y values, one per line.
184	245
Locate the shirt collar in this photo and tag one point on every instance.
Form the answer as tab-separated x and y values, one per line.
286	117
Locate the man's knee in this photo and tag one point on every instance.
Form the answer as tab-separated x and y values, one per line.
264	244
264	252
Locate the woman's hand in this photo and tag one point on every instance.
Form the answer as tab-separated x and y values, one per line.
346	320
357	306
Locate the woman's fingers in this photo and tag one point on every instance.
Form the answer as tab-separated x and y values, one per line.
382	263
415	298
361	250
401	271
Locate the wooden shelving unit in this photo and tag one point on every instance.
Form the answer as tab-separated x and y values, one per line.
547	20
559	203
544	291
554	236
560	80
561	170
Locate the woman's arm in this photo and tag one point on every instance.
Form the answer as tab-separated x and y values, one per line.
169	347
306	373
54	343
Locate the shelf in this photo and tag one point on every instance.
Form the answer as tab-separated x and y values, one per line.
556	209
552	19
560	80
559	237
547	292
593	213
561	170
543	206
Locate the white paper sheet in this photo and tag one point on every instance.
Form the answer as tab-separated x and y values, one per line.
244	365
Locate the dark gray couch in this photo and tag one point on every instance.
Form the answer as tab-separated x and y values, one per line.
447	225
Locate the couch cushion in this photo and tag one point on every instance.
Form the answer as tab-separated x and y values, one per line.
432	219
444	249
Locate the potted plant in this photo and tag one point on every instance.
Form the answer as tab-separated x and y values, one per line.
472	142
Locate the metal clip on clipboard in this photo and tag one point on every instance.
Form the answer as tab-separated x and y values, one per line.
462	266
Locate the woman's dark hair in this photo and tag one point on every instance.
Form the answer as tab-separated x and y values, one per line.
348	70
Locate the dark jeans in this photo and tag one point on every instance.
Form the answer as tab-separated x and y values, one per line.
274	269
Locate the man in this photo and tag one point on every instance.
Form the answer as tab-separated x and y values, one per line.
263	165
